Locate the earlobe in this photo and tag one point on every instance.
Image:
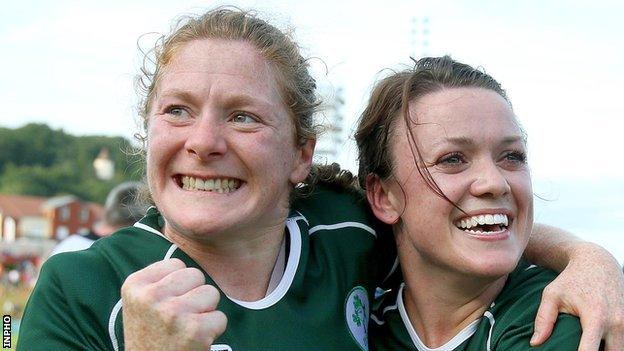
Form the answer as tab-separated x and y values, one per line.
303	163
381	199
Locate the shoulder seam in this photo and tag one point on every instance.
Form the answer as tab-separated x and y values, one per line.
341	225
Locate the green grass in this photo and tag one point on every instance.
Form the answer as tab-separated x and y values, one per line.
13	343
17	296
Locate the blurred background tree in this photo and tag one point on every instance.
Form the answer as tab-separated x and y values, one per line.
37	160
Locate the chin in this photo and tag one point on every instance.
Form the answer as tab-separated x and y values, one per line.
195	227
494	265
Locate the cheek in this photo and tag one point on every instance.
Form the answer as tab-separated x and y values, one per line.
153	151
279	150
160	145
421	201
453	186
523	194
523	190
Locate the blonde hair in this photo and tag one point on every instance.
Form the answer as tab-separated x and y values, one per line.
297	86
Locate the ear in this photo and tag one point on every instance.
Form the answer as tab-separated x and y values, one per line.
383	200
303	162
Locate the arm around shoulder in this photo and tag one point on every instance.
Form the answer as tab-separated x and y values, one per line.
591	286
565	337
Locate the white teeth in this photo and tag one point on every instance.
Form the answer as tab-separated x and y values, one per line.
217	185
501	219
209	185
490	219
199	184
473	222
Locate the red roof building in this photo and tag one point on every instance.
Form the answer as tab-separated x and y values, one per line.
40	217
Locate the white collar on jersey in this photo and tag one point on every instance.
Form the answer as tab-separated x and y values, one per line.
281	278
462	336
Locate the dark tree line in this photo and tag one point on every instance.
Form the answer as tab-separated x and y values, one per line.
37	160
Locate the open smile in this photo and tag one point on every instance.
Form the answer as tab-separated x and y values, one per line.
221	185
485	224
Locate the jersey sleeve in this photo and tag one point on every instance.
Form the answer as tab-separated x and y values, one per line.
389	273
520	301
566	336
52	319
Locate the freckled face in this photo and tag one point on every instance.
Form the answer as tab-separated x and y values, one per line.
474	149
221	155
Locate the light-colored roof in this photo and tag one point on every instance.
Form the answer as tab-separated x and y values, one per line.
18	206
59	201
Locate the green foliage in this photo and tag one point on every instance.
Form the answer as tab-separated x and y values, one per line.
37	160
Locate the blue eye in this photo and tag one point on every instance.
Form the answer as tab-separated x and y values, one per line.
243	118
177	111
452	159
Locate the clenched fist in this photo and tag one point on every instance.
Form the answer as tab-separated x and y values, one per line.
167	306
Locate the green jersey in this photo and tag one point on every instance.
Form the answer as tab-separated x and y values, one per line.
320	303
507	325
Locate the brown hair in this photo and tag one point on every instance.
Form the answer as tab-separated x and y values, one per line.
390	99
329	175
278	48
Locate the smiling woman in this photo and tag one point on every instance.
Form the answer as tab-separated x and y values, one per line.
452	178
217	117
222	262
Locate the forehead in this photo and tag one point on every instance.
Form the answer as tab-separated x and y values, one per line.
462	112
235	65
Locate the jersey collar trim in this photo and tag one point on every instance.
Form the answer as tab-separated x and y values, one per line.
289	273
146	224
457	340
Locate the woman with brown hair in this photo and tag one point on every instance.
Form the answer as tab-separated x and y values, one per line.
443	160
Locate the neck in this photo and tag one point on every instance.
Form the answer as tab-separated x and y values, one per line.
441	302
241	267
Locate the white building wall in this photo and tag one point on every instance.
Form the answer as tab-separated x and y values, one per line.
33	226
9	230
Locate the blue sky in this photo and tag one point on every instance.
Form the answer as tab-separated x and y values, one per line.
71	64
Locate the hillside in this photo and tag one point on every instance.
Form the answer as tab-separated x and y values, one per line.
37	160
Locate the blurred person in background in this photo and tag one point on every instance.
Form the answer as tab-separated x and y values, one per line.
122	209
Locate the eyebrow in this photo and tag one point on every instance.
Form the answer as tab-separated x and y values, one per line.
463	141
231	101
246	99
176	93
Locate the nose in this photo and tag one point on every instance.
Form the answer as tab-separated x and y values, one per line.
490	181
206	139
